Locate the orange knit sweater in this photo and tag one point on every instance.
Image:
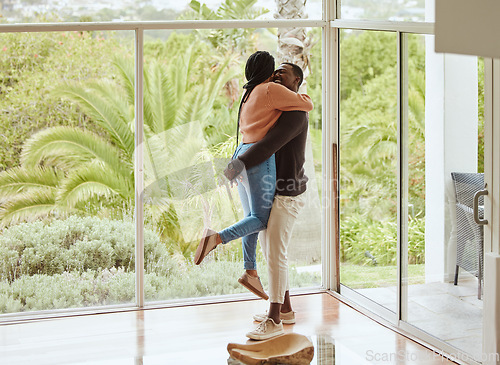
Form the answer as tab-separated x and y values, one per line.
265	105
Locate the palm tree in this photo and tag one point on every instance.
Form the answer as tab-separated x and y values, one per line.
293	43
66	169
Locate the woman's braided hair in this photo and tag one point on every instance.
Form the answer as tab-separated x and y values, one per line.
259	67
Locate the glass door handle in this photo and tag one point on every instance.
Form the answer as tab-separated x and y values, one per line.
480	193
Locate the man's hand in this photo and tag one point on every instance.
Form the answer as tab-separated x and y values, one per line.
234	169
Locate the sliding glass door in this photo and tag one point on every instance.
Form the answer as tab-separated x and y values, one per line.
411	136
368	164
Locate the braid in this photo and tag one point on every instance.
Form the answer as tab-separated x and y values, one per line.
259	67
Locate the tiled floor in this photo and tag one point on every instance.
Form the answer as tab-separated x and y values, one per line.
451	313
199	335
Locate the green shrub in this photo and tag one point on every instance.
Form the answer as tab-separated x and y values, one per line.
115	286
67	290
361	237
87	261
77	244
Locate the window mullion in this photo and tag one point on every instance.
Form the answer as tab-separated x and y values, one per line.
402	179
139	168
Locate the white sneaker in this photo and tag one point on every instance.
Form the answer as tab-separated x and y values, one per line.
266	329
286	318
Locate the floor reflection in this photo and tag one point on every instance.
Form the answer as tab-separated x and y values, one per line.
324	352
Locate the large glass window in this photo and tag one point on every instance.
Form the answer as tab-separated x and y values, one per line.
67	179
191	96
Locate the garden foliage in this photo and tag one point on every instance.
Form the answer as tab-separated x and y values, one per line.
31	64
369	242
77	244
89	261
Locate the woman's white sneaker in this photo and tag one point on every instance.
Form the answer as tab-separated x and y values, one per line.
266	329
286	318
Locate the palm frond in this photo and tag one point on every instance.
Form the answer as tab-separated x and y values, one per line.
165	91
224	149
177	87
160	100
358	135
28	207
126	71
163	155
195	101
93	180
416	108
417	80
19	179
69	147
221	74
203	11
104	104
170	102
236	39
385	148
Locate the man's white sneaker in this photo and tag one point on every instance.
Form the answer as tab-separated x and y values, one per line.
286	318
266	329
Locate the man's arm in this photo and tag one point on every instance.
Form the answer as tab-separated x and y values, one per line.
288	126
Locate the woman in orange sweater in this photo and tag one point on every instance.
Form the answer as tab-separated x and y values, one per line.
260	107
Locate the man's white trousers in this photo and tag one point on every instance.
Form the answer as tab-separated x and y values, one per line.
275	241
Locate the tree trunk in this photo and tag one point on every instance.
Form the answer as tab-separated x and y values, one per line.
294	46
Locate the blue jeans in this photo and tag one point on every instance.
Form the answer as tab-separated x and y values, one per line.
256	194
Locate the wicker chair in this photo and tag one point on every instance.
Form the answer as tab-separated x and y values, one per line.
469	233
